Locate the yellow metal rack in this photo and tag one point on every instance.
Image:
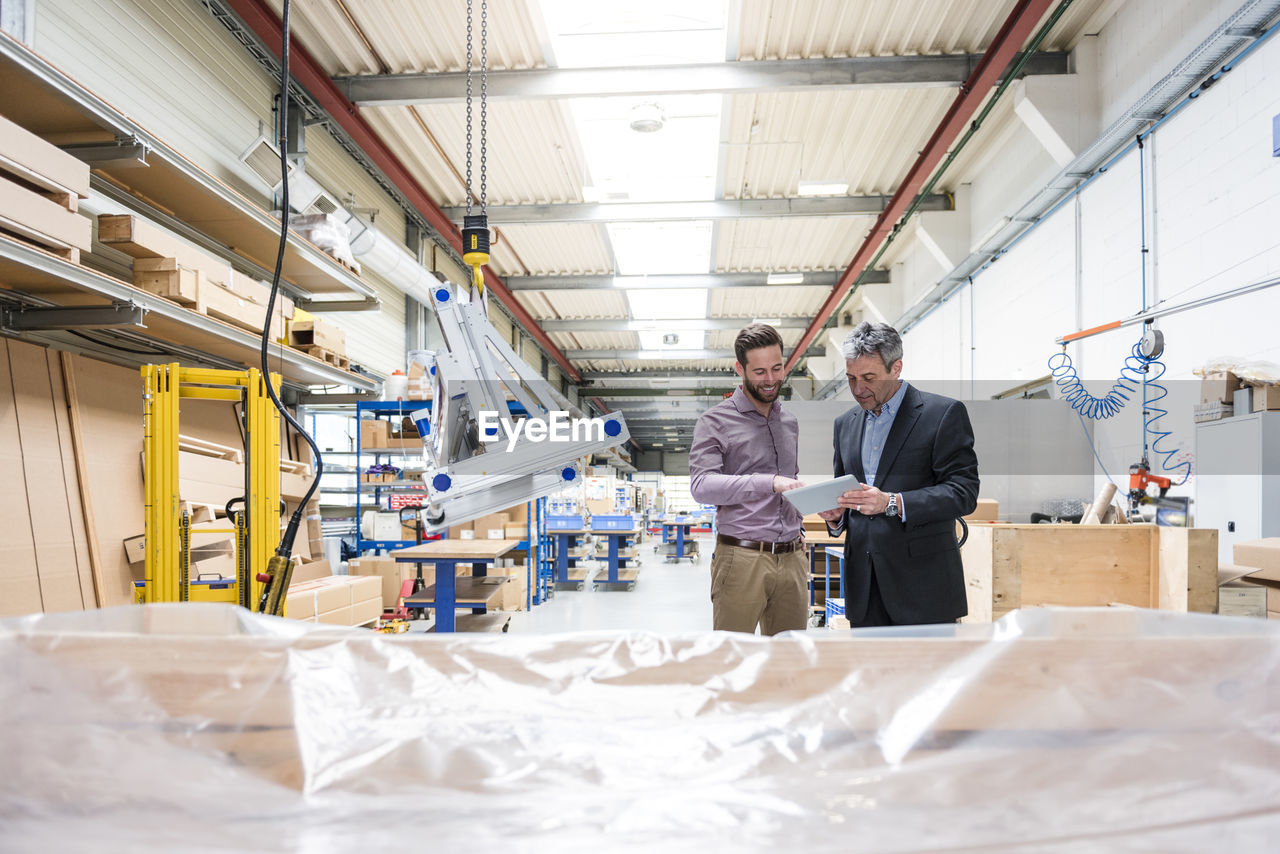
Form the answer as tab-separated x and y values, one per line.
257	526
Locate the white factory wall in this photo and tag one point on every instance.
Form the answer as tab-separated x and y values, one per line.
1213	193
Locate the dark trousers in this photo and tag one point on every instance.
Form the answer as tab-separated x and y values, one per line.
877	614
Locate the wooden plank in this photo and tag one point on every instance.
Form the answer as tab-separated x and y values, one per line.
468	592
191	288
976	557
19	578
45	487
24	154
1006	572
35	217
457	550
238	283
1085	565
89	532
1187	577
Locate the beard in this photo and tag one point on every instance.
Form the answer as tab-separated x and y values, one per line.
754	391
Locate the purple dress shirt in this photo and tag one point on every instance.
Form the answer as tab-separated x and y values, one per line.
735	455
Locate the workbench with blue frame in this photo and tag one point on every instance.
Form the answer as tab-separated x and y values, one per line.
675	533
565	542
450	593
618	530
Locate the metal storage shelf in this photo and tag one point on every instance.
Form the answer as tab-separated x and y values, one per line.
189	199
54	281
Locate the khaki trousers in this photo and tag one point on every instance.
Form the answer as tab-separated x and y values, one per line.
749	587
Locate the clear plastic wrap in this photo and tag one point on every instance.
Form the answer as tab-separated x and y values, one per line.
203	728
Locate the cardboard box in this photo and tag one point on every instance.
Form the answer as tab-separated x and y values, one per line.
496	534
204	547
317	333
1218	387
1263	555
310	570
1266	398
988	510
316	597
374	433
493	521
390	575
456	531
1240	599
337	617
410	444
329	600
365	612
515	531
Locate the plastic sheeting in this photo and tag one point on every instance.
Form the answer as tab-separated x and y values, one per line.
203	728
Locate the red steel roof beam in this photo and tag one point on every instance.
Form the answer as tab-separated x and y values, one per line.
263	21
1013	34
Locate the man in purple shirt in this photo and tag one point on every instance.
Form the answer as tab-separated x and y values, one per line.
744	456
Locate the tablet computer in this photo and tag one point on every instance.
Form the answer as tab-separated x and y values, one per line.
820	496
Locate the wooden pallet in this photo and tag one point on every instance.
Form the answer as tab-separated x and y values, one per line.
336	359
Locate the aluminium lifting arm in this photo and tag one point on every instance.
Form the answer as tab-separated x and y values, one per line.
478	460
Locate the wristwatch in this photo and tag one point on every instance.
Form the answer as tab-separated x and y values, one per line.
892	509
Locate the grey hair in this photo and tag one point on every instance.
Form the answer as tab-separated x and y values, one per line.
878	338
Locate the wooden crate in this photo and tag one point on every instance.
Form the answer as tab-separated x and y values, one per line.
1016	566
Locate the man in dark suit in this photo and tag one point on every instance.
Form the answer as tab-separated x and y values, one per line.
912	453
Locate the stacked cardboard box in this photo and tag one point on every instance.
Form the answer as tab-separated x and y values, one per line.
1266	398
1260	559
420	382
1219	387
340	600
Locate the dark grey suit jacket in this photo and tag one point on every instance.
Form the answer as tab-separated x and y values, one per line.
929	458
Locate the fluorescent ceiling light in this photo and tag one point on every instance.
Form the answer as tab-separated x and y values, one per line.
823	188
657	444
659	248
667	304
784	279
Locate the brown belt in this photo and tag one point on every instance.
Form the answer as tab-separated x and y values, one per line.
771	548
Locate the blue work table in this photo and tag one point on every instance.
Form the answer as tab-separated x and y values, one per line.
616	574
449	592
677	531
565	541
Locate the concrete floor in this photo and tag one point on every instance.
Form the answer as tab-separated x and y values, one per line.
668	597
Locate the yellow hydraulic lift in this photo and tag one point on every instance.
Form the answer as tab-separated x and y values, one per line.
257	521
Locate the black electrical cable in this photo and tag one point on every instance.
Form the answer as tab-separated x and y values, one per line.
285	548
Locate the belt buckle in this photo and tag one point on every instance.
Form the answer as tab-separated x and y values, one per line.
773	548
